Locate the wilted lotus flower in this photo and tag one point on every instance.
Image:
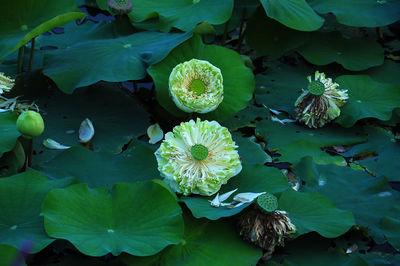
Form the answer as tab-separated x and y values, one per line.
265	226
196	86
320	103
120	7
198	157
6	83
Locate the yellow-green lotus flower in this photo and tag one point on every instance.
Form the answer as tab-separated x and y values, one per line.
198	157
196	86
6	83
320	103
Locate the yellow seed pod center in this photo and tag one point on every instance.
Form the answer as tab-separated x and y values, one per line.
198	87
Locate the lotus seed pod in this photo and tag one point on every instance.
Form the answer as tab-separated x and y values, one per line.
30	123
120	7
267	202
6	83
196	86
198	157
320	103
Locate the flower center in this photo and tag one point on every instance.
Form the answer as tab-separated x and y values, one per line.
198	87
199	152
316	88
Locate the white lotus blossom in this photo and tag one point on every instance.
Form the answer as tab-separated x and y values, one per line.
196	86
198	157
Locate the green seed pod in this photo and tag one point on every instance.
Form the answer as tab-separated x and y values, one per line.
267	202
30	123
120	7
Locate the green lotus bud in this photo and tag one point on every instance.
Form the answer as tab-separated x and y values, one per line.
196	86
120	7
6	83
320	103
198	157
30	123
267	202
204	28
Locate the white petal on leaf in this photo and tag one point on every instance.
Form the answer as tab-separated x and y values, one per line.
247	197
86	131
155	133
54	145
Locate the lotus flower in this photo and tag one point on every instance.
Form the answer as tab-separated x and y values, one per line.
6	83
320	103
196	86
198	157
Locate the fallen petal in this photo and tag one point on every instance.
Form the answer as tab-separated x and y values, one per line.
247	197
54	145
86	131
155	133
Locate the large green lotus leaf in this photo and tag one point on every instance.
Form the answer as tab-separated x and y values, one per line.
252	178
281	84
386	73
8	254
204	243
137	218
249	151
117	59
271	38
391	226
352	54
246	117
367	197
295	141
117	118
360	13
311	211
238	79
28	18
382	143
367	98
312	249
98	169
295	14
181	14
8	131
21	197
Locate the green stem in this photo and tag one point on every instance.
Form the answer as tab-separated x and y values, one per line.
30	153
225	33
241	33
20	59
32	54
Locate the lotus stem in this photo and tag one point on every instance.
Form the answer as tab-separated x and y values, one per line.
223	41
31	54
241	32
20	59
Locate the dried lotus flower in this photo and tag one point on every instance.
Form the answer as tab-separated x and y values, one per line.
265	226
320	103
120	7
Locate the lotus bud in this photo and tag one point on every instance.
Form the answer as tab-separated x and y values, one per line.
30	123
196	86
120	7
320	103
